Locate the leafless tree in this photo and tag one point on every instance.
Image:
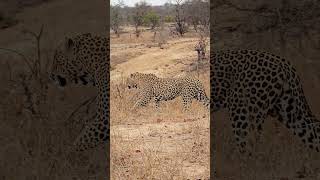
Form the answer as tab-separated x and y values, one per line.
140	10
201	48
116	17
163	36
198	14
180	17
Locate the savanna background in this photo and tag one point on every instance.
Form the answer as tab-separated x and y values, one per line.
169	40
38	121
289	28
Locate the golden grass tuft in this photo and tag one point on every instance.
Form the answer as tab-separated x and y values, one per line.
164	144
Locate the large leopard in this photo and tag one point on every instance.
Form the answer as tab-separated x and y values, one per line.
253	84
85	58
164	89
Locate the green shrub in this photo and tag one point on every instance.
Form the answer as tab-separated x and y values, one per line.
168	19
151	19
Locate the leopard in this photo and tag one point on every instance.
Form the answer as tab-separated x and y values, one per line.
76	74
252	85
84	59
164	89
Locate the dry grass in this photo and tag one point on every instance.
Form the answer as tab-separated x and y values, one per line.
150	144
36	131
280	155
36	126
168	144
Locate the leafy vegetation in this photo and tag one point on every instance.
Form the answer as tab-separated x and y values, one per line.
151	19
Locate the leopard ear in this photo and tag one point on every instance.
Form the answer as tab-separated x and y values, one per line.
133	74
69	43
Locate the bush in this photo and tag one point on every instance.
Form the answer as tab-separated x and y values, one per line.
151	19
168	19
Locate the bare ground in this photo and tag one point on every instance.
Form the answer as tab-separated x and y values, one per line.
147	144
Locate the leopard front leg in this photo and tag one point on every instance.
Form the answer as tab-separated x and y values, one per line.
93	134
157	100
240	128
144	97
240	120
186	101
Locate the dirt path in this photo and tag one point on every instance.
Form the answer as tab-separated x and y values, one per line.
172	144
162	62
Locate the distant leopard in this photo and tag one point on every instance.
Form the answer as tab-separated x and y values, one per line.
85	58
253	84
164	89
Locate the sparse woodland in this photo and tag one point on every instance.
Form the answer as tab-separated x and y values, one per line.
167	41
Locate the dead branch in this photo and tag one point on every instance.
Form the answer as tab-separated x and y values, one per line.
29	95
118	90
25	59
37	37
86	102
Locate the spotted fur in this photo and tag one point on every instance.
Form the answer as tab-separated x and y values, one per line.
164	89
252	85
85	58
